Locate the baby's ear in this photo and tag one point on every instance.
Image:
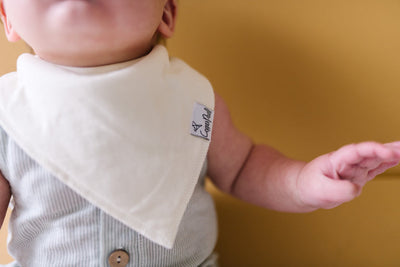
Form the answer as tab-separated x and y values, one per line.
11	34
167	25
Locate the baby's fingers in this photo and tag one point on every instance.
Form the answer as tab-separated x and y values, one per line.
381	169
393	144
363	161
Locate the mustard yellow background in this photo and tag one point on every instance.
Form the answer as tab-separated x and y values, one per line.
305	77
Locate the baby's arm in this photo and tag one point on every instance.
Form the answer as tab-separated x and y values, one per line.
5	195
261	175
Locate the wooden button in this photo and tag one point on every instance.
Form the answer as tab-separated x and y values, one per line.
118	258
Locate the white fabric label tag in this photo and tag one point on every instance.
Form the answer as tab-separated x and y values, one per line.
202	121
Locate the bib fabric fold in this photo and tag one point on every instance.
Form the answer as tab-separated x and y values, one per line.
131	138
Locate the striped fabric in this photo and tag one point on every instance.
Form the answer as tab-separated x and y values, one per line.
53	226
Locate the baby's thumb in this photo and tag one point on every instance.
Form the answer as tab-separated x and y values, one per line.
337	192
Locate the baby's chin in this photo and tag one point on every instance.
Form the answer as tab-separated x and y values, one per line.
72	14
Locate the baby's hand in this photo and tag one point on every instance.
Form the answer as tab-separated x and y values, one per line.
338	177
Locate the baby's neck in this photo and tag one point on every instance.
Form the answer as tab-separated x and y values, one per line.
94	59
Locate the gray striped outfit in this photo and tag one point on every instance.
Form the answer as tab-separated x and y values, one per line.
51	225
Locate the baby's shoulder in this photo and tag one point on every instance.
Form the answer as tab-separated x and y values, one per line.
8	80
8	83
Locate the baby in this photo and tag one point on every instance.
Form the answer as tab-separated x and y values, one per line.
105	142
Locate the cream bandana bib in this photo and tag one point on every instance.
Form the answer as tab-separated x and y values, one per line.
131	138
